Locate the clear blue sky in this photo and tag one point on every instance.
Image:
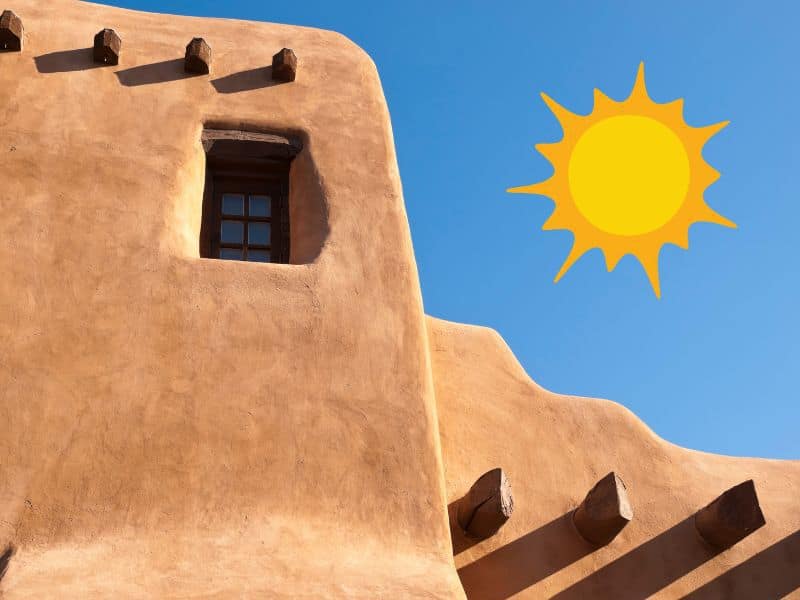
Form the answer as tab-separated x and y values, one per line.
714	364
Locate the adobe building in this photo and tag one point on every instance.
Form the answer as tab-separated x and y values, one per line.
292	425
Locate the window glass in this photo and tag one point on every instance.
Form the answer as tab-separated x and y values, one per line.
230	253
259	255
260	206
258	233
231	232
233	204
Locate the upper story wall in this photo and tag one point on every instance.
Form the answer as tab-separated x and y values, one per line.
148	392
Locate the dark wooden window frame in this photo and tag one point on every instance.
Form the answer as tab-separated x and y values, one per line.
250	163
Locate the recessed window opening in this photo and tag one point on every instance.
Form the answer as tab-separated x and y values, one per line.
246	200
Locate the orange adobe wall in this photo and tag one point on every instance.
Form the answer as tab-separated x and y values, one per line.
554	448
178	427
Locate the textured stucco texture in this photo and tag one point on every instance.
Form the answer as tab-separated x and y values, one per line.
180	427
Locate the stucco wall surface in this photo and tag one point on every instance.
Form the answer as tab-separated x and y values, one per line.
177	427
172	426
554	449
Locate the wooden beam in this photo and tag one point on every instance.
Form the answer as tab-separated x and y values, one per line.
487	505
107	47
731	517
11	32
604	512
198	57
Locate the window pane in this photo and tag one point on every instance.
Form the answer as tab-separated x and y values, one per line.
260	206
258	233
231	232
258	255
232	204
230	253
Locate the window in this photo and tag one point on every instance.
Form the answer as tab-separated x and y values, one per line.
246	208
244	220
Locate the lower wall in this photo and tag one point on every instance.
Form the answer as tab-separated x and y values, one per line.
554	448
275	559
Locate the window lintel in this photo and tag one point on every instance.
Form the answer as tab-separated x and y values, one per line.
230	144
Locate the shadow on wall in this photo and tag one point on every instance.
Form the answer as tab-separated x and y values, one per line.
524	562
646	569
460	540
66	61
642	572
772	573
245	80
5	558
639	574
160	72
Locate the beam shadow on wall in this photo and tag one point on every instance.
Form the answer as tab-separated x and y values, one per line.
524	562
5	559
66	61
646	569
460	540
244	81
159	72
772	573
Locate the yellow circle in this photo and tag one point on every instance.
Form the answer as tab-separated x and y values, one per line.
628	175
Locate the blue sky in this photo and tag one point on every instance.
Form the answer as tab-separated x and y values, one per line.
713	364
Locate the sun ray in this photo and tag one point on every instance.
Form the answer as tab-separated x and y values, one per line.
681	239
698	136
639	91
706	214
549	151
709	131
649	262
543	188
601	101
578	250
566	118
676	108
708	174
555	222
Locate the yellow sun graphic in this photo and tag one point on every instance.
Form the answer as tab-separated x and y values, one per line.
628	178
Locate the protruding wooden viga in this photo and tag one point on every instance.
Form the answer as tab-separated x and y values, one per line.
107	47
11	32
487	505
198	57
284	65
604	512
731	517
